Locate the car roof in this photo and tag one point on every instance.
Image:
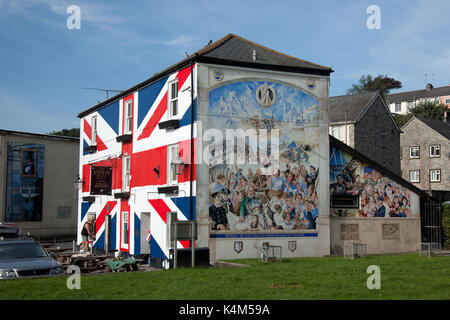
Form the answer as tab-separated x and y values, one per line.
15	240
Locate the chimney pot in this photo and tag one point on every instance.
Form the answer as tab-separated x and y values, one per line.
429	87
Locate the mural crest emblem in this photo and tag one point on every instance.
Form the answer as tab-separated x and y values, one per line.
265	95
292	245
218	75
238	246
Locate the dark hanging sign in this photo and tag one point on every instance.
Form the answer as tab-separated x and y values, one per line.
101	180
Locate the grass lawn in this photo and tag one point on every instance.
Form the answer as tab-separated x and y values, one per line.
402	277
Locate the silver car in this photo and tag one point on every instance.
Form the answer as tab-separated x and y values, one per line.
26	258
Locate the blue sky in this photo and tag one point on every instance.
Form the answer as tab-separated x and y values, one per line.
44	65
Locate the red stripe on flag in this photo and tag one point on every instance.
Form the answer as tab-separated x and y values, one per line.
100	145
105	211
161	208
87	129
182	76
154	119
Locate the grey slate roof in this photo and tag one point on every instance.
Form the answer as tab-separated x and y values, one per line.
230	50
418	94
235	48
438	126
349	107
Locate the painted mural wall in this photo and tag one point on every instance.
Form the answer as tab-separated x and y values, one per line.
265	175
25	181
379	196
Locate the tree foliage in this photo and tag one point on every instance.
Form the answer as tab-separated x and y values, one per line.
446	225
429	110
401	119
380	83
74	132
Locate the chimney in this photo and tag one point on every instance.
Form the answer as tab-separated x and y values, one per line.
429	87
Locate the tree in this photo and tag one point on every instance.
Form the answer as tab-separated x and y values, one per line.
380	83
74	132
429	110
401	119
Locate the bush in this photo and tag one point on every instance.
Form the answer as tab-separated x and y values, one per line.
446	225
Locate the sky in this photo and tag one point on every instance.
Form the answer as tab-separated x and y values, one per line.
45	66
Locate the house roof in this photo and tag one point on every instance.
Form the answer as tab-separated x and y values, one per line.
378	167
439	126
231	50
39	135
349	107
418	94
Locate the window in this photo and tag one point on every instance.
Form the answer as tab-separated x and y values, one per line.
126	173
447	101
410	105
435	151
173	157
435	175
414	152
128	116
344	201
414	176
173	99
94	131
398	107
338	132
125	230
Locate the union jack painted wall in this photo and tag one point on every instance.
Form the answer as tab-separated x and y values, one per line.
147	150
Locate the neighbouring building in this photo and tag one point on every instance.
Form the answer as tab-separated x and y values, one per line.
36	177
364	122
425	149
236	137
402	102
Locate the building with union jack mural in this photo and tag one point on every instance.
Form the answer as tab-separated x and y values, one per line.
235	136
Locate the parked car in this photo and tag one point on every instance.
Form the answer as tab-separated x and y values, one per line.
8	230
26	258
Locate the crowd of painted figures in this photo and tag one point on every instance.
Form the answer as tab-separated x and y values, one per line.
246	201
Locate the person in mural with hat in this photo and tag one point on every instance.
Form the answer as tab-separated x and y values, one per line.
247	204
381	209
217	213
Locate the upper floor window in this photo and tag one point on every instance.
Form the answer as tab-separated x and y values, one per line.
435	175
173	158
173	99
128	116
94	131
447	101
338	132
435	151
126	173
125	229
410	105
398	107
414	176
414	152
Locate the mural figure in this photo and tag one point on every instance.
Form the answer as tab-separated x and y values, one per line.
379	196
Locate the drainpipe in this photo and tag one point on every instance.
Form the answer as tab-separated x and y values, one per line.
192	141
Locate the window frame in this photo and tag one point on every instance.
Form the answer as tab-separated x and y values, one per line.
438	148
124	231
94	130
439	174
171	100
128	116
170	176
418	175
126	175
418	156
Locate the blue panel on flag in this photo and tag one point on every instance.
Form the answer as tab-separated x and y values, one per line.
183	204
85	145
155	249
186	120
110	114
147	97
113	233
84	209
137	234
100	244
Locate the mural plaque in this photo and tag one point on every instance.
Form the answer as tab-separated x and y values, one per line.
391	231
349	231
101	180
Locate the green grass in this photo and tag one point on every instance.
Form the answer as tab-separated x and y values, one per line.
402	277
